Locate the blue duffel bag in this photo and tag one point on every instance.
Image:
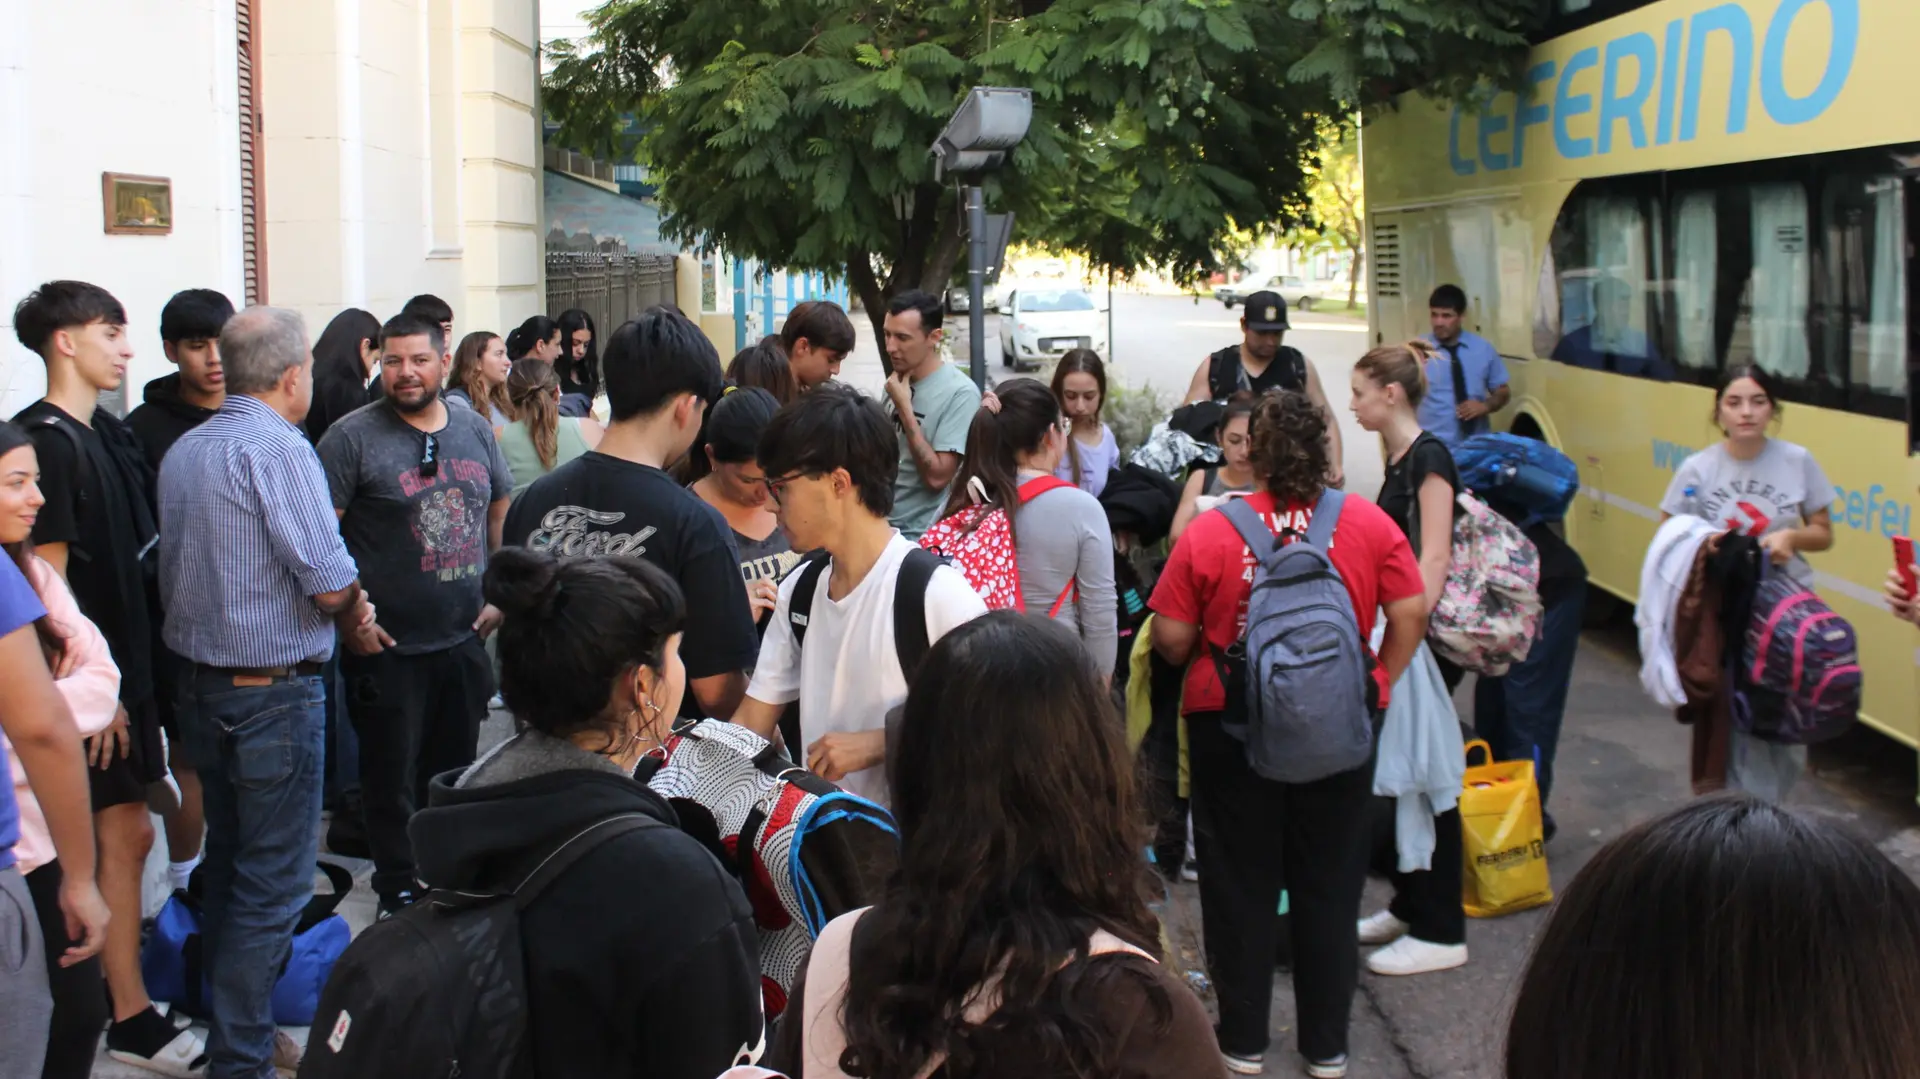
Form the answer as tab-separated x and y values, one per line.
172	966
1525	474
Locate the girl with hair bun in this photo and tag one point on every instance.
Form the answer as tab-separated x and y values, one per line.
641	957
1424	929
1063	546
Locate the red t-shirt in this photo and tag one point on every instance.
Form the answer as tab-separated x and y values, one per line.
1210	573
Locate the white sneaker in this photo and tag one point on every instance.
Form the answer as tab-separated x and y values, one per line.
1248	1065
1411	955
1328	1069
1381	927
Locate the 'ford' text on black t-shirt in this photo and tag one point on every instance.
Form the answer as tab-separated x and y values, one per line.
601	505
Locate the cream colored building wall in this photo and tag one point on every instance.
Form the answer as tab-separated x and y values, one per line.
401	147
155	92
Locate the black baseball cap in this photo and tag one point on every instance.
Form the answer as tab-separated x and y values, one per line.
1266	312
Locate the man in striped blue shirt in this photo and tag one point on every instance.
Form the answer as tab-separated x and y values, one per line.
255	580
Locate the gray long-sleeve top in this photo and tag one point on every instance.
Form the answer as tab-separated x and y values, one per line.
1059	536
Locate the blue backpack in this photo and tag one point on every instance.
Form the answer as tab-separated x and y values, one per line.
174	970
1304	676
1520	473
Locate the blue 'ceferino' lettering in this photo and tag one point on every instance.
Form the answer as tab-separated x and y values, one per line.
1635	71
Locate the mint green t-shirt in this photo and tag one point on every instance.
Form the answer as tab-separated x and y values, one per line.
944	402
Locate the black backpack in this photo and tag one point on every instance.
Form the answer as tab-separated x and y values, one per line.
440	989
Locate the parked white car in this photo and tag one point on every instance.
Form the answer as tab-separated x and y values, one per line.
1043	321
1293	291
959	300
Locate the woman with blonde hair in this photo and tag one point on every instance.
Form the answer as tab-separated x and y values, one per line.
479	376
541	439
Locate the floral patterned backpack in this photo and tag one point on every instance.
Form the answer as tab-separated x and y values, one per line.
1489	611
978	541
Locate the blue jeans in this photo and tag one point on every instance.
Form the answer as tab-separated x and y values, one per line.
1519	713
260	752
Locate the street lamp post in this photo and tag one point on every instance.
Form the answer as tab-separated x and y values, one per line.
989	123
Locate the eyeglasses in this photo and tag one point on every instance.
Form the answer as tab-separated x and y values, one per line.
778	484
430	458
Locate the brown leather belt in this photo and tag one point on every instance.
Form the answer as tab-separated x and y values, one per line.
262	676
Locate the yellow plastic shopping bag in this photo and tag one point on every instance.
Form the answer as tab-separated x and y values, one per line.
1503	844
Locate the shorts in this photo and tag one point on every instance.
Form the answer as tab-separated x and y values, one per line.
124	780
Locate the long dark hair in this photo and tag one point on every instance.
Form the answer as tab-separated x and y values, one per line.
535	392
1019	837
336	355
1079	361
53	643
1028	411
1288	441
1728	937
587	371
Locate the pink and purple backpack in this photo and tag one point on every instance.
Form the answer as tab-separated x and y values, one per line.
1799	677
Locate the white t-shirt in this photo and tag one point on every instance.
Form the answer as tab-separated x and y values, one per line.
848	676
1779	488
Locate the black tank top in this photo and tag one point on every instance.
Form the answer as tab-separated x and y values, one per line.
1226	375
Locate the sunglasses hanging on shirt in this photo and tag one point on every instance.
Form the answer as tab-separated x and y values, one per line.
430	458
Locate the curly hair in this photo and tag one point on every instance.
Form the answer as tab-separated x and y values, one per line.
1288	437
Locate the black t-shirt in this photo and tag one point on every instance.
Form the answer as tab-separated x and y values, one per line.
420	541
598	505
102	510
1399	493
1225	372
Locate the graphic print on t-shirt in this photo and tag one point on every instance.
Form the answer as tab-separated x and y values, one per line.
448	522
1749	507
567	530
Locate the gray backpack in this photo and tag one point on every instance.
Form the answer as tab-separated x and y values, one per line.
1305	676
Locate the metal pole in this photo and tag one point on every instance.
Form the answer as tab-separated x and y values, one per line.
1113	347
977	284
739	304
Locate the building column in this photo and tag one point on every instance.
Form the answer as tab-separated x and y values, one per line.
500	174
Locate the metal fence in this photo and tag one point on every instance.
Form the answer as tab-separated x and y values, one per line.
610	287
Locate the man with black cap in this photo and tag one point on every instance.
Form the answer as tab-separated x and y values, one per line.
1260	363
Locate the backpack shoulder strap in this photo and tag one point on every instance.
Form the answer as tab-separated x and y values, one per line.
1326	515
1040	485
1247	521
800	604
571	850
82	465
910	640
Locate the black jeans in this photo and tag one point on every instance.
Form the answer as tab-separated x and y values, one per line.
1428	900
416	716
1251	834
79	991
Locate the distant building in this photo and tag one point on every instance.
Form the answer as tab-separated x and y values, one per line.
321	154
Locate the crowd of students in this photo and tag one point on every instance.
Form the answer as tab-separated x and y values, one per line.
188	620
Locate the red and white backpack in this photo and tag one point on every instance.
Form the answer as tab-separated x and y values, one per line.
978	541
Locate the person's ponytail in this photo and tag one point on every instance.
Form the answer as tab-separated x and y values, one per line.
989	475
533	387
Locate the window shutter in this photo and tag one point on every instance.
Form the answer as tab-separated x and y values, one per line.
253	214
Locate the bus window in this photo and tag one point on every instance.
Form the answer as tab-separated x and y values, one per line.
1862	305
1602	252
1772	319
1696	246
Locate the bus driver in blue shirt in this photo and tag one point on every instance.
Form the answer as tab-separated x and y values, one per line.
1445	412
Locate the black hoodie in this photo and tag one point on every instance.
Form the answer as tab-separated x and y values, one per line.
642	958
164	418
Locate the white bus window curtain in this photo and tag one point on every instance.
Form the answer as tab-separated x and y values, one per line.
1696	247
1619	243
1779	287
1887	292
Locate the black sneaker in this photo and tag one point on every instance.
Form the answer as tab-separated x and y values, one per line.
392	905
148	1040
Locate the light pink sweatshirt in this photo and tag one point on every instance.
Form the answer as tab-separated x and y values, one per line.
92	691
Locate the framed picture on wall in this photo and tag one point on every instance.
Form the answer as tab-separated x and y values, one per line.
137	205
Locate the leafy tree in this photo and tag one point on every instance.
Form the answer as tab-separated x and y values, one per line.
796	131
1336	201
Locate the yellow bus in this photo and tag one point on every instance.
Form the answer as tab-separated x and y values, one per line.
1683	185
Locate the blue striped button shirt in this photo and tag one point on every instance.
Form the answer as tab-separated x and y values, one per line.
247	537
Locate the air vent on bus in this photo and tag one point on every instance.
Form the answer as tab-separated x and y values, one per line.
1386	258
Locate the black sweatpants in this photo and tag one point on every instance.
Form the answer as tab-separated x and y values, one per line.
79	991
1251	834
1428	900
416	716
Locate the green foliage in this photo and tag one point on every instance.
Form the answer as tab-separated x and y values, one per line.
797	131
1132	413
